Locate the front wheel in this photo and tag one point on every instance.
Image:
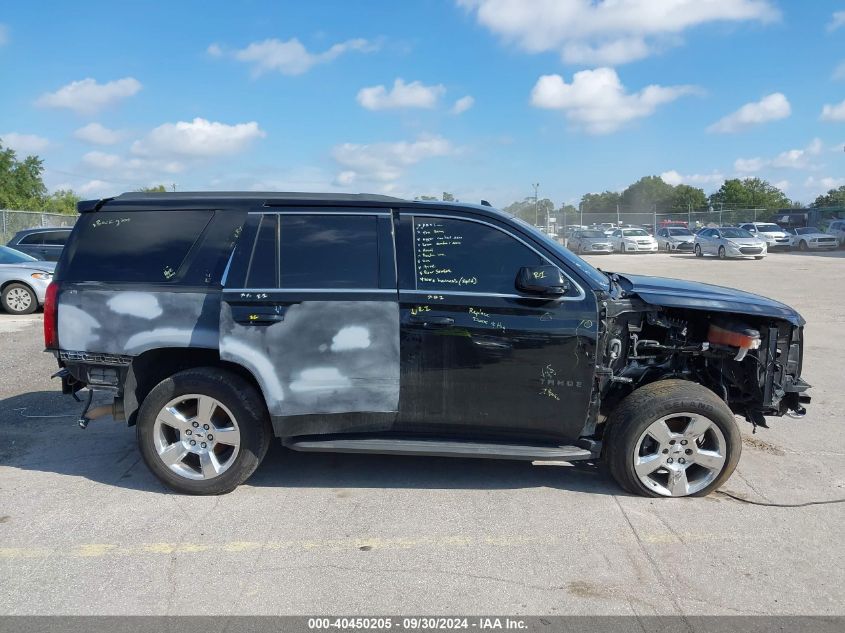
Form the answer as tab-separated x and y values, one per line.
203	431
18	299
698	252
802	245
722	253
672	438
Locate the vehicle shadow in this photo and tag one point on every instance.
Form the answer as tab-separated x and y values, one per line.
38	432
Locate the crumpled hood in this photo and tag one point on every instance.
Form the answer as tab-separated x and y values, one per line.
677	293
39	265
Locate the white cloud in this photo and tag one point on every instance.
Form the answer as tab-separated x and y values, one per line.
783	185
463	104
839	72
24	143
609	32
835	112
95	187
102	160
98	134
596	99
289	57
87	96
789	159
675	178
823	184
836	20
402	95
772	107
386	162
4	34
197	139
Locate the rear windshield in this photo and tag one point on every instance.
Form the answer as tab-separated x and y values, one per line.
147	246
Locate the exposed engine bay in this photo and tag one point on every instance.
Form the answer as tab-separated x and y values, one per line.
752	362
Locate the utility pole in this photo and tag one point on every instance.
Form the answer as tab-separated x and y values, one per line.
536	186
618	219
581	213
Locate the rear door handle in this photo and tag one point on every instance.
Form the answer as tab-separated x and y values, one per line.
257	315
433	321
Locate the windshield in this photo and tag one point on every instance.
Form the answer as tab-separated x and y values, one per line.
807	231
591	234
11	256
733	232
566	255
769	228
634	233
679	232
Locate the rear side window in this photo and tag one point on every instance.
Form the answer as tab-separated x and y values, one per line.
315	251
140	246
32	238
56	238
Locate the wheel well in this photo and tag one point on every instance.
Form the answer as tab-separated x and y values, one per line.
150	368
18	281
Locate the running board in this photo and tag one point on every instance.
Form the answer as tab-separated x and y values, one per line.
440	448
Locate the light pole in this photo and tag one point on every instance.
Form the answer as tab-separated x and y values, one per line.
536	186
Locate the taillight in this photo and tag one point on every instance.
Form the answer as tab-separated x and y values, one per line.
51	316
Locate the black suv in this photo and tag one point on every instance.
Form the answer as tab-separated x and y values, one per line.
356	323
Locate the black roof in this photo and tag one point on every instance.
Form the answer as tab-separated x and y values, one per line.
251	199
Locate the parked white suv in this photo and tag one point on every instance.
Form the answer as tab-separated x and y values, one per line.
774	235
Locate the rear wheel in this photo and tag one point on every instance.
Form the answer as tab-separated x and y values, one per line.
672	438
698	252
18	299
203	431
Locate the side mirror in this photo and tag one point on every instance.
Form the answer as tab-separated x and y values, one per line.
542	280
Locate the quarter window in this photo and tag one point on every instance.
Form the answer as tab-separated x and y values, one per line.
459	255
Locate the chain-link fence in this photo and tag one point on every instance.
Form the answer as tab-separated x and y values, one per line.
692	219
12	221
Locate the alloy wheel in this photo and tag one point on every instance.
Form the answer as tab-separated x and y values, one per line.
680	454
196	436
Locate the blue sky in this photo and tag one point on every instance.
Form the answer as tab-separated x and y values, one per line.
576	95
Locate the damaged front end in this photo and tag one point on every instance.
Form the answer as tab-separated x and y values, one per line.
751	358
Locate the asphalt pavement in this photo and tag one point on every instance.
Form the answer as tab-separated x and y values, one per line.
86	529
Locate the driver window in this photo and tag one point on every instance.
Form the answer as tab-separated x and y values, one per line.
465	256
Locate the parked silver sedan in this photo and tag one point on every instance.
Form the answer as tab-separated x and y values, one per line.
729	241
589	241
675	238
23	281
810	238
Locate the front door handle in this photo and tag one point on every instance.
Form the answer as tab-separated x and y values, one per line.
257	315
433	321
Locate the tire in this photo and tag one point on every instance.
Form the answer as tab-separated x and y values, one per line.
802	245
686	407
19	299
758	257
236	399
722	253
697	251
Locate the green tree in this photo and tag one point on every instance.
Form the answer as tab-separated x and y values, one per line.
685	197
526	210
649	192
833	198
750	193
448	197
21	184
62	201
153	189
600	202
